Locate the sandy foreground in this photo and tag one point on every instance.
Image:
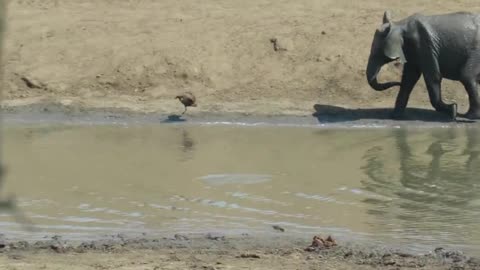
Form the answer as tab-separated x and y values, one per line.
217	252
255	57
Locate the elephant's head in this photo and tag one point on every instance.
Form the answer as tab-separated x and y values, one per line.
386	47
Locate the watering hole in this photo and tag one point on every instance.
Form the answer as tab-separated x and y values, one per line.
403	186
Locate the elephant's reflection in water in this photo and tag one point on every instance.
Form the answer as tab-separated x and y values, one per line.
426	188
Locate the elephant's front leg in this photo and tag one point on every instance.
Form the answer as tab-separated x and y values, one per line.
435	95
471	73
410	77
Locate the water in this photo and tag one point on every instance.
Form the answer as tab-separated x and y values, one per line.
408	187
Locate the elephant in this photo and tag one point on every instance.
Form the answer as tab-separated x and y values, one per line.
436	46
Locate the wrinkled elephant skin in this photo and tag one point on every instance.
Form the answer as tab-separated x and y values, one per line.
438	46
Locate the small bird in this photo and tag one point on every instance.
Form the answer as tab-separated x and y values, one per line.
187	99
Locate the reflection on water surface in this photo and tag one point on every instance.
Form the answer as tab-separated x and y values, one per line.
417	187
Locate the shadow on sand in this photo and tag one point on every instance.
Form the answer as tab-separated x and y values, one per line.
333	114
173	118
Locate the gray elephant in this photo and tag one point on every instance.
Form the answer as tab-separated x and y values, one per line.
437	47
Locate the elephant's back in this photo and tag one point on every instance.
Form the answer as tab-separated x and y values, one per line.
456	19
462	25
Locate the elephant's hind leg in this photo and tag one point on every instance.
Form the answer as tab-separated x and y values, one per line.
471	76
435	95
472	89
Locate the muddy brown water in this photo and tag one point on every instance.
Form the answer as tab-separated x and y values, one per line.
403	186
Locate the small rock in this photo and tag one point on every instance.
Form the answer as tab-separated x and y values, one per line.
121	236
474	262
32	83
66	102
388	260
20	245
57	238
249	256
319	243
180	237
215	237
3	242
403	255
281	45
16	257
58	247
324	33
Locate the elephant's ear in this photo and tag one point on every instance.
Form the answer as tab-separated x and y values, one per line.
387	16
393	48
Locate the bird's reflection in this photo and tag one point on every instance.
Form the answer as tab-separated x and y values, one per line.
187	144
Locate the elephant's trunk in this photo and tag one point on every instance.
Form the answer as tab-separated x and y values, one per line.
373	68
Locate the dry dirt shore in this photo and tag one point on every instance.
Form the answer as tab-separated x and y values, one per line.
207	252
260	57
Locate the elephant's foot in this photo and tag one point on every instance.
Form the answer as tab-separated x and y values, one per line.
453	111
448	109
473	114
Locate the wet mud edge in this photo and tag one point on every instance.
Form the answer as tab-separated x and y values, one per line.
321	116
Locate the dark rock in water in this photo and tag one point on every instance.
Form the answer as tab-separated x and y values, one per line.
181	237
121	236
57	238
278	228
3	242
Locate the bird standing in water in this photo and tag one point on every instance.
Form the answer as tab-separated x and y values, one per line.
188	100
